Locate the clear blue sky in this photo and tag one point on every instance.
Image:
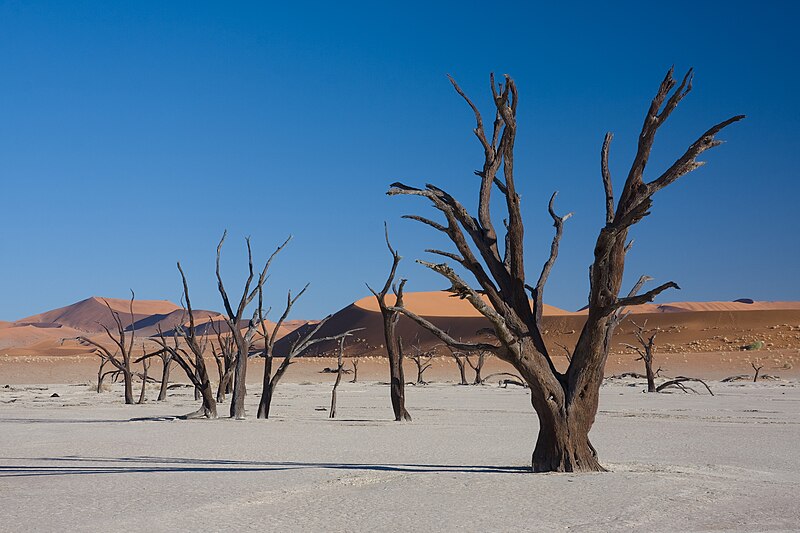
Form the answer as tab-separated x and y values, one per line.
133	133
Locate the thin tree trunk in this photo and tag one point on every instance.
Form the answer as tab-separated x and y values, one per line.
162	393
197	393
146	367
355	370
100	375
266	389
333	392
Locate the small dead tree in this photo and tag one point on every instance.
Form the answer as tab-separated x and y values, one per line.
233	317
190	358
423	359
354	361
645	352
757	370
224	354
121	358
477	366
394	351
300	345
101	376
339	372
461	362
566	403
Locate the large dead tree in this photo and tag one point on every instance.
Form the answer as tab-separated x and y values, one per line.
243	339
394	351
565	402
121	357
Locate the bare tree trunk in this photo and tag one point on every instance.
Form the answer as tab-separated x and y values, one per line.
354	362
462	367
145	368
127	378
266	389
394	350
477	366
101	375
197	394
339	369
165	369
651	377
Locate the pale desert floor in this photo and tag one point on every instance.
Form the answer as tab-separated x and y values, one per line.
82	461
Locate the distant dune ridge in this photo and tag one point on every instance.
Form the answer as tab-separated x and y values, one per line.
701	325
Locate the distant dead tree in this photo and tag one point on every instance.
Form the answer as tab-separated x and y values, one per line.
339	372
145	368
394	351
354	361
101	375
189	356
299	346
423	359
461	362
243	340
645	352
477	366
224	354
121	358
565	403
757	370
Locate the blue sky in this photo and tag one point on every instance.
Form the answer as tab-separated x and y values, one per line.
132	134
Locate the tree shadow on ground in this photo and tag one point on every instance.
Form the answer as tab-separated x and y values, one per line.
76	465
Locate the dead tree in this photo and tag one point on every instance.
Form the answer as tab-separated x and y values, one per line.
757	370
339	372
354	361
121	358
224	354
145	368
565	403
166	365
461	362
300	345
423	359
645	353
243	340
101	376
391	315
477	366
190	358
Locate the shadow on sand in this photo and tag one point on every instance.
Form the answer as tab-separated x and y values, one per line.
75	465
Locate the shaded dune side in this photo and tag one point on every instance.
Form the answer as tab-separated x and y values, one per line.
693	330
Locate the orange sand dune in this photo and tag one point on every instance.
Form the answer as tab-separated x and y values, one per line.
23	336
439	303
87	315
